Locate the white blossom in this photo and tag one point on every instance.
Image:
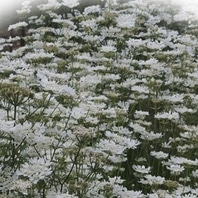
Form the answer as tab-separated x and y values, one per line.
150	135
17	25
92	9
126	21
108	48
152	180
141	169
36	169
170	116
141	114
159	154
21	186
175	168
195	173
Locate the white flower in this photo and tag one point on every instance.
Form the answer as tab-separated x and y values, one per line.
131	82
108	48
132	143
141	159
78	112
141	169
19	131
89	81
176	98
150	135
184	110
181	190
37	44
127	142
137	128
85	56
193	75
37	55
166	144
152	180
112	77
124	193
135	42
92	120
89	23
92	9
141	114
36	169
140	89
65	23
111	146
159	155
6	126
121	130
21	185
185	148
153	195
115	180
17	25
2	40
111	32
155	45
178	160
175	168
109	113
195	173
183	160
52	194
174	116
126	20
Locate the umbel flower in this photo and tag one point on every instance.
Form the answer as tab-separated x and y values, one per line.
176	168
36	170
141	169
152	180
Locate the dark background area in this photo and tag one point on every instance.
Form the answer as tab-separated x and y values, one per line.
8	14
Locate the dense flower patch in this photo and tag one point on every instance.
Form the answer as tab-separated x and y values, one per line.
100	102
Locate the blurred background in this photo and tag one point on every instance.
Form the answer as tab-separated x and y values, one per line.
8	12
8	9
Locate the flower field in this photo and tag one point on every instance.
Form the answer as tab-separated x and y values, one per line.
99	100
